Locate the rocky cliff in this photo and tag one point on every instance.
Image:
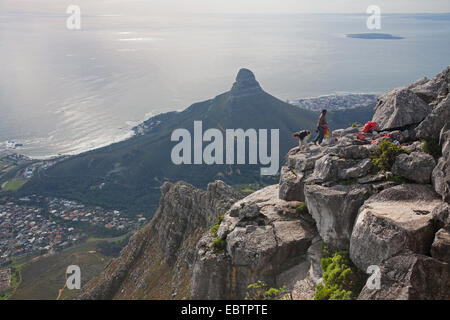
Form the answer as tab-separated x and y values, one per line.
386	211
396	219
157	262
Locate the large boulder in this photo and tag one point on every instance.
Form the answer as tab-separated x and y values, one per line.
334	209
265	239
299	166
349	151
416	166
441	214
327	169
360	169
410	276
435	90
399	108
393	220
441	174
432	125
441	245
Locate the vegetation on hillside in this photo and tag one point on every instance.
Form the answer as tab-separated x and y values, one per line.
384	156
341	279
302	208
261	291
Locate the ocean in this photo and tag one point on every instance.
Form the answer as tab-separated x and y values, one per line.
67	91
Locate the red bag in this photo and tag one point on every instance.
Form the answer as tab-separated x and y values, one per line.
360	136
371	125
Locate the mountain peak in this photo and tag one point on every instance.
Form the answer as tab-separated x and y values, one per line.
245	85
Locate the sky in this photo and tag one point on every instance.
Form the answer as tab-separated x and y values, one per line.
238	6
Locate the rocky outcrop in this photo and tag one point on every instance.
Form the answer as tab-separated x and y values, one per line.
441	245
410	276
441	214
400	108
396	219
416	166
157	262
299	166
245	85
424	100
441	174
266	239
271	236
334	209
432	125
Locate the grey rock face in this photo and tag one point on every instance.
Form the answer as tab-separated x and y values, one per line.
417	166
334	210
326	169
442	214
399	108
410	276
267	246
435	90
183	209
441	245
294	174
396	219
441	174
291	185
245	85
435	121
169	241
361	169
349	151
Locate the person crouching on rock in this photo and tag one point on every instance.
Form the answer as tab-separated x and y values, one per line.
321	126
303	137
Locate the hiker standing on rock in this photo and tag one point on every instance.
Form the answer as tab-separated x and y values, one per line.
321	127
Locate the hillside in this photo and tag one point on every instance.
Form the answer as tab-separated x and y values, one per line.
127	175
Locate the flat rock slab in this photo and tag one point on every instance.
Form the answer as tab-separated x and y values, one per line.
411	277
396	219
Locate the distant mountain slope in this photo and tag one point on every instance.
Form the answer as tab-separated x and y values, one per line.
127	175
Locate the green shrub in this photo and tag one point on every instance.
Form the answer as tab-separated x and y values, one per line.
260	291
341	280
302	209
432	147
216	226
219	245
384	156
354	124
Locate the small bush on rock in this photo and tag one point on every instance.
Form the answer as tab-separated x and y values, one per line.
341	280
302	209
219	245
216	226
261	291
384	156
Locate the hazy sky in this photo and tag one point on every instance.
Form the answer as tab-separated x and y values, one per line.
238	6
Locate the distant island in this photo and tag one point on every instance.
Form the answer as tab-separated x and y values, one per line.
373	36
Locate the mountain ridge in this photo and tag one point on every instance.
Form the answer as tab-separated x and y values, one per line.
127	175
396	220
